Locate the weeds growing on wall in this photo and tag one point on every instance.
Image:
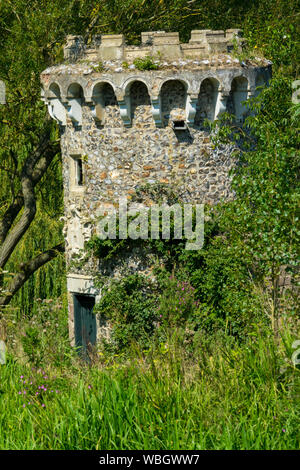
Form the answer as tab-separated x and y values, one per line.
145	63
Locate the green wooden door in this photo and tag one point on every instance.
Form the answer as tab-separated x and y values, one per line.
85	322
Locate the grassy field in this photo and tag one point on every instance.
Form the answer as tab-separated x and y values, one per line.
224	396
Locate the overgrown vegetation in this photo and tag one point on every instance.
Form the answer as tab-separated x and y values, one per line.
200	358
145	63
182	392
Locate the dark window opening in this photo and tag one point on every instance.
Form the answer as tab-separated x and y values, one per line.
79	172
179	125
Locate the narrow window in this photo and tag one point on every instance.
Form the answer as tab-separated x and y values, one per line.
79	172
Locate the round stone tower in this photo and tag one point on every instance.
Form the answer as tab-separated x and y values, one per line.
134	115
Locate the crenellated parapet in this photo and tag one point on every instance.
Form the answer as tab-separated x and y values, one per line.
113	46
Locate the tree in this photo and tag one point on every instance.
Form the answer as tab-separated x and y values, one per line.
260	227
31	36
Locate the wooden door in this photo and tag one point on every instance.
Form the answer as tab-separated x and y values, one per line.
85	323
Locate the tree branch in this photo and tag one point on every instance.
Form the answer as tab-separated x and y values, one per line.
41	160
27	269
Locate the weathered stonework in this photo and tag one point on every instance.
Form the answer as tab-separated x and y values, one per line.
118	123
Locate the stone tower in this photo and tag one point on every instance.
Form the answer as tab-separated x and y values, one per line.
131	115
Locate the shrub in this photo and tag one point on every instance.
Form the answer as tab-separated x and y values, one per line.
177	303
129	306
145	63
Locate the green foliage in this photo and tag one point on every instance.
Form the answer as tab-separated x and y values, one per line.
224	286
260	226
129	306
99	67
145	63
125	64
31	344
31	38
177	303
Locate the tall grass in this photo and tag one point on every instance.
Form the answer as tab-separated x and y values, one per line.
225	396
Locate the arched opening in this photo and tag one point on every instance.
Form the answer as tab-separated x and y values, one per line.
106	105
140	104
75	91
75	98
109	97
238	94
207	101
105	92
173	102
55	107
54	91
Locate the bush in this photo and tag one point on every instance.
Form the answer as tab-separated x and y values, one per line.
177	303
129	307
145	63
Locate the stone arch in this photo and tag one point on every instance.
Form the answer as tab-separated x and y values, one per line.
238	94
75	98
126	87
105	104
55	107
54	90
140	103
207	100
75	91
173	101
102	87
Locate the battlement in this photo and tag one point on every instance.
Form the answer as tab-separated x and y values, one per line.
108	61
167	45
